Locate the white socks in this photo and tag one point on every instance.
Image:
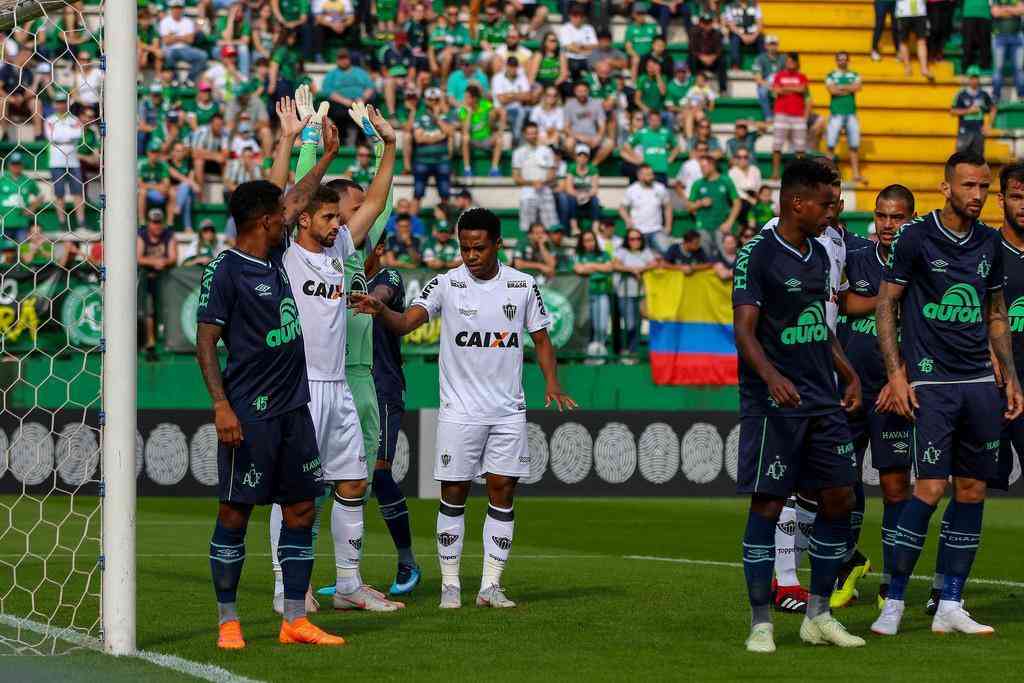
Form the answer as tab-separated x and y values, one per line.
806	511
451	532
785	550
347	531
276	520
499	525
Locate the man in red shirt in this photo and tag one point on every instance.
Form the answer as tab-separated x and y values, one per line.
790	89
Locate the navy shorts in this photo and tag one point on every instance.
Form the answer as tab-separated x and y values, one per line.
957	431
887	434
391	413
1013	440
781	455
277	462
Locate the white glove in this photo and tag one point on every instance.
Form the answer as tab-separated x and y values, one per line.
362	119
314	118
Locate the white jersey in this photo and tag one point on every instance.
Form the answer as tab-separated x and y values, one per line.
482	335
834	244
318	284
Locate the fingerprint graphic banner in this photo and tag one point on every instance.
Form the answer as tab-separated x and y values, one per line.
691	337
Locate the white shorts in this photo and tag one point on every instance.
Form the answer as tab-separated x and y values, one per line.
338	434
466	451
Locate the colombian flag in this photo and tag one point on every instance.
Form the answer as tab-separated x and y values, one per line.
691	335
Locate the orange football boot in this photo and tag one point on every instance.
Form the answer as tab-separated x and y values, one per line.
230	637
302	631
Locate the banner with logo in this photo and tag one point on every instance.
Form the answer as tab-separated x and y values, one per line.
49	308
565	297
179	299
691	336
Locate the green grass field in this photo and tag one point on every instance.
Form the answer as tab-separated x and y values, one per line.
590	608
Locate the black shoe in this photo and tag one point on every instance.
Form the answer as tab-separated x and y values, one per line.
933	602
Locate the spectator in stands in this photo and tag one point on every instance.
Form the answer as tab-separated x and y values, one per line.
843	84
675	97
883	8
459	81
816	123
725	263
343	85
714	201
64	131
20	197
36	249
665	10
653	145
742	138
88	80
177	38
659	53
646	206
417	30
940	27
606	87
607	52
549	66
150	54
245	101
361	170
565	256
706	50
397	69
698	105
579	192
491	32
651	89
766	65
976	111
790	89
210	148
449	40
202	109
607	240
688	256
744	23
763	211
976	28
639	35
534	254
632	260
690	172
442	253
483	127
587	124
513	93
419	228
244	138
154	181
578	39
246	168
234	30
550	118
204	247
704	135
911	18
184	187
404	249
596	266
433	135
264	33
1007	45
746	177
531	10
293	19
285	68
330	19
512	47
155	251
533	170
224	75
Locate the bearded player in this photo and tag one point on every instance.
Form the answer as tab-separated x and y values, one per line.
484	307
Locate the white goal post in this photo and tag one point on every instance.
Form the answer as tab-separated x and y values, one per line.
119	326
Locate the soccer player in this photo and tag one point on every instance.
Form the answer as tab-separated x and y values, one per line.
944	283
793	435
887	434
484	306
267	449
389	380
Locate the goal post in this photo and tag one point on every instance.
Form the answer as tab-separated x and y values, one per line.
119	326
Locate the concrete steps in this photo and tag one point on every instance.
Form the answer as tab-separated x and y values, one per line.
840	14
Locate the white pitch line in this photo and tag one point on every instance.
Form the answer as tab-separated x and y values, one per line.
739	565
206	672
250	555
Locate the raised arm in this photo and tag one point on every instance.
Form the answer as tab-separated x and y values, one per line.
291	126
378	196
999	340
296	199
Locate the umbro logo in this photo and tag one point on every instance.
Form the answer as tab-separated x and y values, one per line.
356	543
862	284
446	539
263	289
793	285
900	447
939	266
503	542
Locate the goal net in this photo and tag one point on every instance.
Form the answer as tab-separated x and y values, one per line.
54	230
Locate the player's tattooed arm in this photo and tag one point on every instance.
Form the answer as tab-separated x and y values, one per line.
1000	342
897	396
229	429
851	400
553	392
298	197
782	390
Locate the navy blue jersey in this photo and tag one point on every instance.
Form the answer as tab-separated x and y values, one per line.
947	280
1013	279
251	300
790	288
854	242
387	346
864	270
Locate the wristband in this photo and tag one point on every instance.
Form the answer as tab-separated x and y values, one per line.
311	134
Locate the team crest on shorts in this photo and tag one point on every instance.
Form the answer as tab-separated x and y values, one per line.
777	469
510	311
445	459
931	455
